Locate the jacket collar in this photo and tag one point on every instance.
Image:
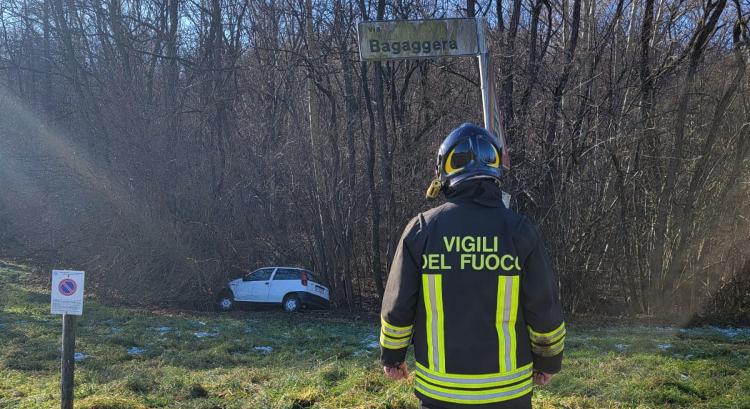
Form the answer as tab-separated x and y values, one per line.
483	191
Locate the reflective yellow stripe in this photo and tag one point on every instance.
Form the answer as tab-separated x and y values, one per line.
390	343
429	320
393	337
512	322
499	321
483	381
432	291
505	320
441	320
474	376
548	343
473	397
547	337
548	350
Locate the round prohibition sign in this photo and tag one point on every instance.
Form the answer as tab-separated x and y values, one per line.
67	287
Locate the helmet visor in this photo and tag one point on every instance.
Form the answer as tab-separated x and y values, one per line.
487	153
459	157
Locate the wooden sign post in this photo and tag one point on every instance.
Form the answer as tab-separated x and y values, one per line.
67	369
67	299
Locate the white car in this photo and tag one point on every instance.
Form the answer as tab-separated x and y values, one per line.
291	287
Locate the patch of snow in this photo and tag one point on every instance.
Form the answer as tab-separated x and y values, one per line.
116	330
664	347
731	332
80	356
727	332
621	347
164	330
371	341
203	334
580	338
264	350
133	351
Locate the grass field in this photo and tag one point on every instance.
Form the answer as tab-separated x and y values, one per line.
269	359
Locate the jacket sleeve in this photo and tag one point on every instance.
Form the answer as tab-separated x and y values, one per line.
540	303
400	298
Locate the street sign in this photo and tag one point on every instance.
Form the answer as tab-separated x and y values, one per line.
450	37
389	40
67	292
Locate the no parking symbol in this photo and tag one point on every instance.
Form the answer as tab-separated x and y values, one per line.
67	287
67	292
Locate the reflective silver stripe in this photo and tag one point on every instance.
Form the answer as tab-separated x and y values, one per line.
506	319
549	350
435	324
474	395
387	343
396	332
394	339
474	381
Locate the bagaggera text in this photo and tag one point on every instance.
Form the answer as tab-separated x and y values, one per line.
414	47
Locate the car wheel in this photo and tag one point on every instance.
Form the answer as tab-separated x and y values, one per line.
225	302
292	303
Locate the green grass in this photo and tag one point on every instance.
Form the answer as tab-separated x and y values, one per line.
324	360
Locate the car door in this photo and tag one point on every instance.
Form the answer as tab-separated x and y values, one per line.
285	280
254	286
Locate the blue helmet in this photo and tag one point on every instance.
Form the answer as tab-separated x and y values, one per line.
469	152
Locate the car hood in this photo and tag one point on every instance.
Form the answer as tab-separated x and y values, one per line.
235	282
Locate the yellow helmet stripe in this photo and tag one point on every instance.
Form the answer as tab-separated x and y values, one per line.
496	163
448	168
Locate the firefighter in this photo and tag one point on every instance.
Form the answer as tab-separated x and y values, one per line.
472	287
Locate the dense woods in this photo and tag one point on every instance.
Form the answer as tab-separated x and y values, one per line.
165	145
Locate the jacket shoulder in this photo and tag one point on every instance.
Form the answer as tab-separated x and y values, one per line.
420	225
430	216
525	233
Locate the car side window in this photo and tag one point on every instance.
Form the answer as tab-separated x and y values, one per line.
287	274
264	274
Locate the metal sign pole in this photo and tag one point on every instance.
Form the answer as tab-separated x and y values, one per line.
488	93
68	361
484	74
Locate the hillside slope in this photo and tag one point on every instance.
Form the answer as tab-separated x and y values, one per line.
269	359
